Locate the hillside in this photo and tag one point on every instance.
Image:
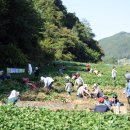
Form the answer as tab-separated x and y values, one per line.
116	46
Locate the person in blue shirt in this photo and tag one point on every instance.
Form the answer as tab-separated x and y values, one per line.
107	102
127	91
101	107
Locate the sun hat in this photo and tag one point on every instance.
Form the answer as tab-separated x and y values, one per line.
101	100
95	85
42	78
67	77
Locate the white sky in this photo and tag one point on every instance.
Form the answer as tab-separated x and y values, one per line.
106	17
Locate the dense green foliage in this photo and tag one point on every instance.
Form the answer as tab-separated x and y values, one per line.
116	46
43	31
42	119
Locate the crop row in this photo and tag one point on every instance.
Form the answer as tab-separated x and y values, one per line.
14	118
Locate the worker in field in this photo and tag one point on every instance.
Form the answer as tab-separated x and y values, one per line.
127	91
88	67
13	97
107	102
36	72
48	81
114	73
83	92
78	80
97	93
101	107
68	86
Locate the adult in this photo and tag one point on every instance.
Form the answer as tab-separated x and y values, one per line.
114	73
101	107
97	93
13	97
36	72
29	69
83	92
78	81
48	81
28	83
127	91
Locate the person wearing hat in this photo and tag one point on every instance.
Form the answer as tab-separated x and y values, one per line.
101	107
13	97
97	91
48	81
68	86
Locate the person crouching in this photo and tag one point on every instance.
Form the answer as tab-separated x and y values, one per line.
101	107
13	97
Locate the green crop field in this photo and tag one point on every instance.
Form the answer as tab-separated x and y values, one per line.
14	118
32	118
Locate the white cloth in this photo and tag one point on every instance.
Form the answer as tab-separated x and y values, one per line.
47	80
29	69
113	73
13	94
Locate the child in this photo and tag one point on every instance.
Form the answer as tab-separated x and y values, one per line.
115	101
68	87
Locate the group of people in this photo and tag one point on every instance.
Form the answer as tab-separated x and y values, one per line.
95	71
104	104
82	90
81	87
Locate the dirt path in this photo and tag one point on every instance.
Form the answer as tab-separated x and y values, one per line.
73	102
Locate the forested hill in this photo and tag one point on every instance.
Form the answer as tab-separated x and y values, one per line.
116	46
43	31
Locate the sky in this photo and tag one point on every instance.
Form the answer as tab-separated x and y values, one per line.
106	17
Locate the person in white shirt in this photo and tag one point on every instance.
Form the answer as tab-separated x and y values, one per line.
13	97
48	81
114	73
83	92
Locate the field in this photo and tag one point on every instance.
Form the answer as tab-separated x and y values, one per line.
38	110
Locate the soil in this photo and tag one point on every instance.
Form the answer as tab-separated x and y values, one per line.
73	102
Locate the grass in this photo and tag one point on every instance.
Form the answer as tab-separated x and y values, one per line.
59	85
